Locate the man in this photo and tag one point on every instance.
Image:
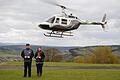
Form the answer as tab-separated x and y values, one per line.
27	54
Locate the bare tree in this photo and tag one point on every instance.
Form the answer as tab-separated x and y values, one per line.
53	55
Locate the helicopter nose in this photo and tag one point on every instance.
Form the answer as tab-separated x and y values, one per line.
44	26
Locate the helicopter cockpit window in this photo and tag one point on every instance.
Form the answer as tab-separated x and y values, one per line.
57	20
51	20
64	21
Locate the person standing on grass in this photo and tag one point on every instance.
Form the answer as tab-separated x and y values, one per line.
27	54
39	56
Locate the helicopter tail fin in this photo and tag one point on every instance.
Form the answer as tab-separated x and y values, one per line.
104	18
104	22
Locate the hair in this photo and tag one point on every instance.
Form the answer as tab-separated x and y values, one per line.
39	52
27	44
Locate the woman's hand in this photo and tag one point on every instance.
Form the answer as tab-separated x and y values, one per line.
38	57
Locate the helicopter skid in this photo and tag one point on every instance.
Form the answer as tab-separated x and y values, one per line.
57	34
48	35
64	34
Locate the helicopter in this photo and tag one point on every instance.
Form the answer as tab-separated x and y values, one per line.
62	24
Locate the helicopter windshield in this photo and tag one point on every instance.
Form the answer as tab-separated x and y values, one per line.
51	20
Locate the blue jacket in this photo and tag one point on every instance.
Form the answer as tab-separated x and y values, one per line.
27	54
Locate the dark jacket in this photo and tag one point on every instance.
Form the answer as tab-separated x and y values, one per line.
41	59
27	54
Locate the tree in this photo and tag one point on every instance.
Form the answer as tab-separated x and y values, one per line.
104	55
53	55
79	59
101	54
90	59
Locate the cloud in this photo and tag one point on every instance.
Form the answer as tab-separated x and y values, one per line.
19	22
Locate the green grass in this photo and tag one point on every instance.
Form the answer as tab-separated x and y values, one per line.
63	64
78	64
62	74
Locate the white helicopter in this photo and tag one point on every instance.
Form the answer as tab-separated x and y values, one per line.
62	24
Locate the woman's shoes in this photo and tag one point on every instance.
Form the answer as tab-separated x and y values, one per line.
39	75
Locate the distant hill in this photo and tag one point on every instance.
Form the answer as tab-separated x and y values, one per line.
89	49
2	44
68	52
19	48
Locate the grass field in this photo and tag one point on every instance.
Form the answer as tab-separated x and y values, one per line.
62	74
14	63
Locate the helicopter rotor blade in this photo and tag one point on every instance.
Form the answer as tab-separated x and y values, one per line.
51	2
55	3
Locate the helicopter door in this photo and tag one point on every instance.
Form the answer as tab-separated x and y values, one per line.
64	21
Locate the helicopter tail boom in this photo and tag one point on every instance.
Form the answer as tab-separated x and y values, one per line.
102	23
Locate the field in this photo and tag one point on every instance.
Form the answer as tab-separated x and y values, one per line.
62	72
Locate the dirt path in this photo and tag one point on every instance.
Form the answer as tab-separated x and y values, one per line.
62	67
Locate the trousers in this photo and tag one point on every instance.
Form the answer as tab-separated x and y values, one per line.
27	69
39	69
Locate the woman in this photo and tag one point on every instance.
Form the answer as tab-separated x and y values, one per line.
39	56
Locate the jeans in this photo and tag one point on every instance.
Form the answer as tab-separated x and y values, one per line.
39	69
27	66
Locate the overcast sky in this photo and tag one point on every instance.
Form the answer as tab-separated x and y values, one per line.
19	21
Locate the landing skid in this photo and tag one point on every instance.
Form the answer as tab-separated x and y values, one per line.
60	34
47	35
57	34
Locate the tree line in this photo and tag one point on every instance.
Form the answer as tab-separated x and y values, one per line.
99	55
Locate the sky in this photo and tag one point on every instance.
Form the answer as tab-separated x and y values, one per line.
19	20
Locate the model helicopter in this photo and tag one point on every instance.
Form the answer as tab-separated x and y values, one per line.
62	24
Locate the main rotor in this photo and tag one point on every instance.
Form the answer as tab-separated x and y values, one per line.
63	8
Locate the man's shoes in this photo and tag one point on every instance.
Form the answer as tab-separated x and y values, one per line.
38	75
29	76
24	76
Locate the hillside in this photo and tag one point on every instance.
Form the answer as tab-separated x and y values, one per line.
68	52
18	48
89	49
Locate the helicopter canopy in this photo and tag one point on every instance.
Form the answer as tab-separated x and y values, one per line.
51	20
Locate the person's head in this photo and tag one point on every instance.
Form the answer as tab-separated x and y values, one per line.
27	46
39	49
